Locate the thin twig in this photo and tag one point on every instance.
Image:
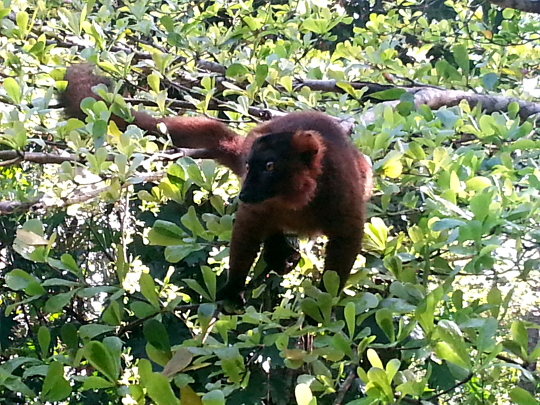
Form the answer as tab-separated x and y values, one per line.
345	387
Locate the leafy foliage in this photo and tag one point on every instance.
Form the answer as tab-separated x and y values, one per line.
112	257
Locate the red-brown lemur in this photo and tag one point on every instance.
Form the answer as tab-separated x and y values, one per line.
301	174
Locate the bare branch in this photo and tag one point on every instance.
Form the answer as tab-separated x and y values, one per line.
211	66
333	87
432	96
436	98
81	196
459	384
9	207
345	387
11	157
529	6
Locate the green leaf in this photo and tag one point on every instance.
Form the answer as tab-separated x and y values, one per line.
44	339
93	291
22	19
55	386
191	222
522	144
416	150
331	282
96	383
159	389
18	279
31	238
113	314
167	22
206	314
494	298
513	110
461	57
453	347
310	308
13	90
385	321
485	340
489	80
70	264
157	356
350	318
165	233
153	82
521	397
425	311
235	70
387	95
215	397
56	282
261	73
142	309
446	223
148	289
379	378
519	335
339	342
480	204
99	356
174	254
392	367
318	26
252	23
56	303
156	334
374	359
34	289
210	281
303	394
92	330
68	334
487	125
287	82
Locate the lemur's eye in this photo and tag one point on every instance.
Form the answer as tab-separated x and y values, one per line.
247	167
269	166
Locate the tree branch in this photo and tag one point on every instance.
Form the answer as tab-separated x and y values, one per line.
529	6
345	387
11	157
9	207
459	384
436	98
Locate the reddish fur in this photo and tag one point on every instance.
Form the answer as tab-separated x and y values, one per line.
327	197
311	143
186	132
201	132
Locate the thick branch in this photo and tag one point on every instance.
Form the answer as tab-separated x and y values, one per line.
9	207
11	157
529	6
436	98
331	86
211	66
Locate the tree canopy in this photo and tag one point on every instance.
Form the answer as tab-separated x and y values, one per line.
113	243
